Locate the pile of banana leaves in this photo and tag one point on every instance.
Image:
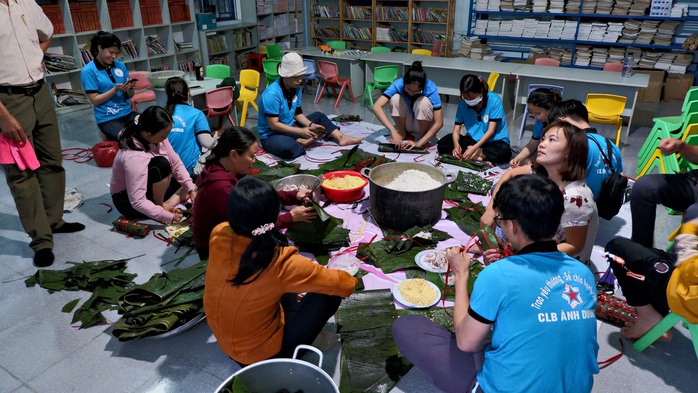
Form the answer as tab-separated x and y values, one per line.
350	160
321	235
467	183
467	216
272	173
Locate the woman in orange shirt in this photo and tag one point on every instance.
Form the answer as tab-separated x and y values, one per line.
254	276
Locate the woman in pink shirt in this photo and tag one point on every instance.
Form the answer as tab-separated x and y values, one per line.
148	178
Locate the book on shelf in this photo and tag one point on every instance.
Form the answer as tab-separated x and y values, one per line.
351	31
429	15
85	16
85	54
216	43
326	31
392	13
151	14
184	45
120	14
68	97
324	11
186	66
58	62
179	11
128	50
352	12
53	12
154	46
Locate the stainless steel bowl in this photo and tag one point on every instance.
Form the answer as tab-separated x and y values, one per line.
310	181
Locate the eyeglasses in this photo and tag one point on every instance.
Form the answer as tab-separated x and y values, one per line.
498	219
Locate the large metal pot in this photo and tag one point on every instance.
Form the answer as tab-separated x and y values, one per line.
401	210
272	375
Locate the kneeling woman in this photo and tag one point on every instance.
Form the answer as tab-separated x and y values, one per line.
283	128
148	179
253	277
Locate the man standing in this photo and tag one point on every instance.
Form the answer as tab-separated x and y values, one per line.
539	305
27	115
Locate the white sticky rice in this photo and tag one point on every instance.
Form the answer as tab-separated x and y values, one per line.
413	180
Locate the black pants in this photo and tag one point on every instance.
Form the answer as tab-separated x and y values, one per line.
158	170
496	152
641	282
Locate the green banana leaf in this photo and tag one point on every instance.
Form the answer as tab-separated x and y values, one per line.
348	160
83	276
468	182
390	148
276	172
467	216
475	165
320	236
423	237
161	285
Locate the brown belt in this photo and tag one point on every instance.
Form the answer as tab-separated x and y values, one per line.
27	90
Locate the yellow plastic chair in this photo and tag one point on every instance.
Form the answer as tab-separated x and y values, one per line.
218	71
249	87
492	80
425	52
606	109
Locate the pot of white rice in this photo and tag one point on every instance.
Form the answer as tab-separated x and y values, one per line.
405	194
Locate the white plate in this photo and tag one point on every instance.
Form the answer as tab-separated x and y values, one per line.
421	262
401	300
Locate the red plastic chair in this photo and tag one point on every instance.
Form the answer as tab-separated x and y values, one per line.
329	73
613	67
438	49
546	61
142	89
220	103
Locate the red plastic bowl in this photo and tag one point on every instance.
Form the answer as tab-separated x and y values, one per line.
343	196
104	153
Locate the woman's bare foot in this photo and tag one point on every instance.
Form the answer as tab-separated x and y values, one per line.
306	142
647	317
345	140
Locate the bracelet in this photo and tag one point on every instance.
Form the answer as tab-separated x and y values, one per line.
310	124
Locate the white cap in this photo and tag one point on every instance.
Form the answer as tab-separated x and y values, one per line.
292	65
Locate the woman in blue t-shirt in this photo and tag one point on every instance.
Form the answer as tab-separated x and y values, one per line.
539	102
481	113
108	86
191	134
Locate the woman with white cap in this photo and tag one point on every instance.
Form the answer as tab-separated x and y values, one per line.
283	128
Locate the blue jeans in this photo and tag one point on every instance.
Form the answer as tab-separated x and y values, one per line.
286	147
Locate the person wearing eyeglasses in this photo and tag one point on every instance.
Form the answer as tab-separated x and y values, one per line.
415	107
538	305
539	104
481	115
562	157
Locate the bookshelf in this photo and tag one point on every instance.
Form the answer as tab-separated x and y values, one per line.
406	24
157	35
281	22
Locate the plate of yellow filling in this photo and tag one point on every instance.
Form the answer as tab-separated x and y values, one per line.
416	293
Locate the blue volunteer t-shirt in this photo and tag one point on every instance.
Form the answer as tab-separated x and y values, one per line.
543	305
597	170
273	103
188	123
476	124
537	130
430	91
95	79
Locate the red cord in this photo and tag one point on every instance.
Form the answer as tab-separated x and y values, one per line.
107	205
77	154
605	363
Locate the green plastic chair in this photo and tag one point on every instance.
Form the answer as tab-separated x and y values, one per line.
271	70
663	130
665	164
380	49
337	45
383	77
274	52
218	71
662	327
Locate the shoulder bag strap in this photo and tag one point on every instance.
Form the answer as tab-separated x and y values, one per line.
608	143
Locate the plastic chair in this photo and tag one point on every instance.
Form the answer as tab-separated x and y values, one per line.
438	48
383	77
142	89
662	327
606	109
220	103
425	52
546	61
613	67
249	88
271	70
218	71
310	75
337	45
254	62
329	73
532	87
663	130
492	80
274	52
380	49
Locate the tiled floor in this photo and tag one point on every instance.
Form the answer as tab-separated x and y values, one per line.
41	352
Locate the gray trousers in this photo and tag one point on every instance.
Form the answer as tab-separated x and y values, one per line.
38	194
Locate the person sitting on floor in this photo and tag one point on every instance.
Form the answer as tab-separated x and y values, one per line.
575	113
652	284
562	155
415	107
676	191
283	128
481	114
191	135
254	276
538	304
539	103
230	160
148	179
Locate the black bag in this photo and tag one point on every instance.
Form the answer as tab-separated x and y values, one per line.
613	187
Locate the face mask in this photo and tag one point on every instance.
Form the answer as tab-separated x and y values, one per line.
474	102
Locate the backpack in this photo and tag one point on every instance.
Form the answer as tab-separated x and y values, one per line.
612	194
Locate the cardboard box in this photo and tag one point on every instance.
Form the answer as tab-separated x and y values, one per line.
206	21
653	91
676	86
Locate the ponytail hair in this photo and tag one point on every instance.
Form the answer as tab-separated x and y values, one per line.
105	40
415	74
153	120
233	138
253	204
177	92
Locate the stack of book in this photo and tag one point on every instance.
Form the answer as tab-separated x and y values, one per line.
128	50
58	62
184	45
151	14
466	46
583	56
120	14
264	7
53	12
325	11
604	7
481	5
665	32
540	5
351	31
179	11
154	46
85	16
588	6
556	6
621	7
679	10
639	7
